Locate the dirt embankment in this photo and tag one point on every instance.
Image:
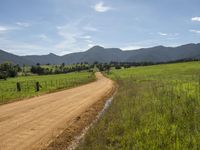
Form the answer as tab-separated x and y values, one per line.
54	119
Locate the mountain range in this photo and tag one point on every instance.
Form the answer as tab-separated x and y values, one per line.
106	55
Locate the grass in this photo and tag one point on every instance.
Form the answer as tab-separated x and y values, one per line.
49	83
156	107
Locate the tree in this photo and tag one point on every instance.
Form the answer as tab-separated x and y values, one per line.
38	70
117	67
7	69
23	70
3	75
107	68
62	66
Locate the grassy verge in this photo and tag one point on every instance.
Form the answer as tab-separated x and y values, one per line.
49	83
156	107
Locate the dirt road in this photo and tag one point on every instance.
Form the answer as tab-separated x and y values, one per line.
31	124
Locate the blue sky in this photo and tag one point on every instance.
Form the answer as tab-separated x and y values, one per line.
65	26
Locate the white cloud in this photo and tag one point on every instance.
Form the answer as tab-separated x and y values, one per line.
162	34
91	45
195	31
195	19
21	48
168	34
70	37
3	29
141	44
89	41
44	38
131	47
100	7
23	24
86	37
73	38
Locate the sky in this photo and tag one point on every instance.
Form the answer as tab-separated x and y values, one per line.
40	27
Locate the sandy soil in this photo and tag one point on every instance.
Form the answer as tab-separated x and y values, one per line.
34	123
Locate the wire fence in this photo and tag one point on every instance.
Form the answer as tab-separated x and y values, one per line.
17	90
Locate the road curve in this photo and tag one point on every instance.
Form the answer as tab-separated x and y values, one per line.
31	124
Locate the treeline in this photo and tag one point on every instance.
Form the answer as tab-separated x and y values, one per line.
119	65
58	69
7	69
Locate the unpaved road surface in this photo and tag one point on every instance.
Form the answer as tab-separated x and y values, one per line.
31	124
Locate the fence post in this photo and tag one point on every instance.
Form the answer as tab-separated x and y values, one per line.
37	87
18	87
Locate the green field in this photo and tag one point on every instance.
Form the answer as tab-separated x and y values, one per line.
49	83
156	107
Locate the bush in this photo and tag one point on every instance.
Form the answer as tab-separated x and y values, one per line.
3	75
118	67
38	70
7	69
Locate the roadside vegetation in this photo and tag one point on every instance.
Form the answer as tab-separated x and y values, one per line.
9	91
156	107
19	82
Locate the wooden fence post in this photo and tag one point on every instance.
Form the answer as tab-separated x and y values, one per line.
18	87
37	86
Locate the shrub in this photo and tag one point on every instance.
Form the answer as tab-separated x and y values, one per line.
7	69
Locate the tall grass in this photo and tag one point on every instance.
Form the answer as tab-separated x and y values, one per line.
152	110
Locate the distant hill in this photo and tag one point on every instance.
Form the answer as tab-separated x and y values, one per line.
5	56
44	59
163	54
105	55
96	53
